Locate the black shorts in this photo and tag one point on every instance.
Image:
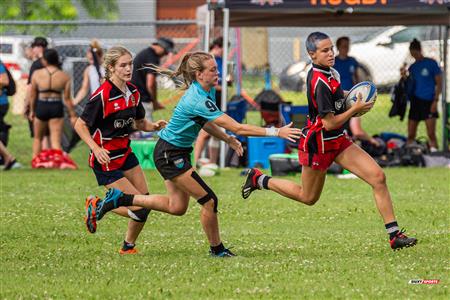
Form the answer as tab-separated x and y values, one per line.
420	110
108	177
170	160
46	110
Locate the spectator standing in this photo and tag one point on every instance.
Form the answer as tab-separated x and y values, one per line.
38	46
8	159
424	86
93	75
49	86
347	66
145	78
4	105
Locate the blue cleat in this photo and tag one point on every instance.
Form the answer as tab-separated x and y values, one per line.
224	253
111	201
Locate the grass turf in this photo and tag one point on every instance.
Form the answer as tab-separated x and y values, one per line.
335	249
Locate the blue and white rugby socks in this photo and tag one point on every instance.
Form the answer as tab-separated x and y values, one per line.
263	182
392	229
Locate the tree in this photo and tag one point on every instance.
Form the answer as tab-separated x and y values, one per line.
56	9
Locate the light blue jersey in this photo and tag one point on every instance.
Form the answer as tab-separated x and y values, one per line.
194	109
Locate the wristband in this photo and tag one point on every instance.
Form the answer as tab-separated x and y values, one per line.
272	131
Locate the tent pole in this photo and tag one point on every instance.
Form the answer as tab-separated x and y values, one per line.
445	131
226	29
207	31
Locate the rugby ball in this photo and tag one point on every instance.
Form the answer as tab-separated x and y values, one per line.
208	170
368	91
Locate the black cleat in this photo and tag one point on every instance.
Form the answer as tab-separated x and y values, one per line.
224	253
400	241
251	182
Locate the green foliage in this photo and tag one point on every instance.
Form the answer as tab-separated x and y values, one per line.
39	10
105	9
53	10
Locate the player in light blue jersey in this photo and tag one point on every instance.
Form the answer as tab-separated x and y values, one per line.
196	110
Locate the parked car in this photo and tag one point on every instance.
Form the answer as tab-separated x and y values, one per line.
12	54
383	53
380	55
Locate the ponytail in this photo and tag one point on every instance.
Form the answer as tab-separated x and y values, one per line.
186	71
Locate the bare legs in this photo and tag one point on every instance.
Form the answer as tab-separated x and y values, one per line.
362	165
180	189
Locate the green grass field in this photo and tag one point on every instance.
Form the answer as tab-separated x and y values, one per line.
336	249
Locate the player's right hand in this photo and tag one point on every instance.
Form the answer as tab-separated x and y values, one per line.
102	155
289	133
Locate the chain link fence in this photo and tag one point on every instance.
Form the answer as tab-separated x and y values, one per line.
381	51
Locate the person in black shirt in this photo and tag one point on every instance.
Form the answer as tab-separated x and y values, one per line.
144	77
324	140
111	114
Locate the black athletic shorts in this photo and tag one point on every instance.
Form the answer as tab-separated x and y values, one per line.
171	160
108	177
46	110
420	110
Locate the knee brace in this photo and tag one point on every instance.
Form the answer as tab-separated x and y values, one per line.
209	193
139	215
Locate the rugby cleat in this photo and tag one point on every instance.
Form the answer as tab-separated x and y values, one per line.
251	182
128	251
112	196
224	253
400	241
90	219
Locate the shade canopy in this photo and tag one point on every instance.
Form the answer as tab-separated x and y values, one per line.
304	13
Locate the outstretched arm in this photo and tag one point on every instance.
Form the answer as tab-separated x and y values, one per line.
230	124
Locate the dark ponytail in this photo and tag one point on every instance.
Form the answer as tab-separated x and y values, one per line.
415	45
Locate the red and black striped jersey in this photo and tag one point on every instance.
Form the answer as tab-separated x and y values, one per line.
325	95
110	116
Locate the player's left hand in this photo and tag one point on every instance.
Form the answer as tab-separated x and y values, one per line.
159	124
236	145
288	133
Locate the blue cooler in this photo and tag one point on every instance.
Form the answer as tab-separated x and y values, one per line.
260	148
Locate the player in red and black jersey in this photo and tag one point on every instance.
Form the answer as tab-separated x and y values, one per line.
111	114
324	140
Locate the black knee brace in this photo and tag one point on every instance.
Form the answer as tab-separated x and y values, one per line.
209	193
139	215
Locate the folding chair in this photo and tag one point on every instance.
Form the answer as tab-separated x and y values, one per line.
298	114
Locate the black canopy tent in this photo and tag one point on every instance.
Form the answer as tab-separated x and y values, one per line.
314	13
282	13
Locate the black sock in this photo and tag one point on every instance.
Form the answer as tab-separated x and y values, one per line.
127	246
217	249
126	200
392	229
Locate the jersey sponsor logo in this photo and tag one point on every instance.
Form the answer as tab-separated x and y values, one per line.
121	123
338	104
179	163
424	72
